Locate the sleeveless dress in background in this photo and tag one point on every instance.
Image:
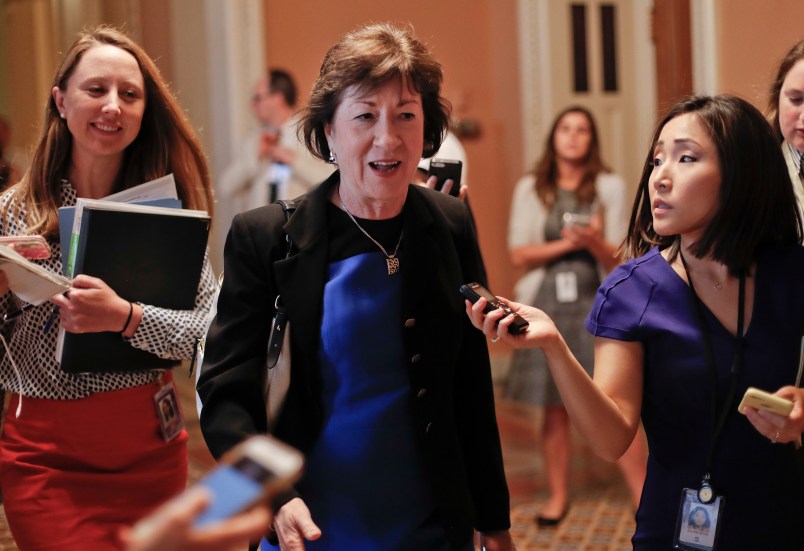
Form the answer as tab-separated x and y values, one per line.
529	379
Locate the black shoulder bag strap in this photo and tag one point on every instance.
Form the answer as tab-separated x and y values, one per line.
280	318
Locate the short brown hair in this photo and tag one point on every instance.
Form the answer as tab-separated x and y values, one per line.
369	57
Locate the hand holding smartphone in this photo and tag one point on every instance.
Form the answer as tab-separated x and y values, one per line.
575	219
759	399
447	169
473	292
252	472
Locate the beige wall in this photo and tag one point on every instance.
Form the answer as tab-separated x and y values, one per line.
475	40
4	94
29	75
753	36
34	33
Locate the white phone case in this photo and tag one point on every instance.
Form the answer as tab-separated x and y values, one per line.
760	399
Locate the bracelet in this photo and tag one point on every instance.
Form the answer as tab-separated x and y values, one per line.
128	319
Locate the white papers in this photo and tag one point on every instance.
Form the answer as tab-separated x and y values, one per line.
29	281
161	188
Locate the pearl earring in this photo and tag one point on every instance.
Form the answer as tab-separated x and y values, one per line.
63	115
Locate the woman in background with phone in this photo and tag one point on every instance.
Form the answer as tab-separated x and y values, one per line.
710	303
82	454
567	218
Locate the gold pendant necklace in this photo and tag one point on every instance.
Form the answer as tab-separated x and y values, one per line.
390	259
717	285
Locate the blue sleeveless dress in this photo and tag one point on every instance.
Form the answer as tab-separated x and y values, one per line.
364	481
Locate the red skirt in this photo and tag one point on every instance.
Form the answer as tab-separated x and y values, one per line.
74	472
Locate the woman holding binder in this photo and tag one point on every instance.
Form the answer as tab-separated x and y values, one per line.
83	454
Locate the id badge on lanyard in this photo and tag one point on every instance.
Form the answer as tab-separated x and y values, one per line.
566	287
698	522
701	510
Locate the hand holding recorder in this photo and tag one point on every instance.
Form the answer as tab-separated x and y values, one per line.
474	291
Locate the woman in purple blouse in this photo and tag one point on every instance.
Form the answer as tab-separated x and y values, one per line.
710	303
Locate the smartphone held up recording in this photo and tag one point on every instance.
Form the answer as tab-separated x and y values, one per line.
252	472
473	292
447	169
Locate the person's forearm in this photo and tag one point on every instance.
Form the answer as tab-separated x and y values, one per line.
596	416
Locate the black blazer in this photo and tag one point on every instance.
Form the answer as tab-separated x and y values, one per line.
451	388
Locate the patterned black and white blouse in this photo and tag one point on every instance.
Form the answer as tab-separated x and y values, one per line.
167	333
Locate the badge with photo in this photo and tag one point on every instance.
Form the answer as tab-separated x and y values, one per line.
698	521
168	412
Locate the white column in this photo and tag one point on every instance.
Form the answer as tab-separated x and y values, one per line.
218	54
705	68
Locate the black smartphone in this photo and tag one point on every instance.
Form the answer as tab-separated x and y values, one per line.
447	169
473	291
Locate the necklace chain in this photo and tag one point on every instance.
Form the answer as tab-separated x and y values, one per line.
716	284
390	259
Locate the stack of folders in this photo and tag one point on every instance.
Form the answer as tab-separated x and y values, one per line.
148	254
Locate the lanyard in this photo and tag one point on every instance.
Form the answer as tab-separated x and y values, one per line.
717	422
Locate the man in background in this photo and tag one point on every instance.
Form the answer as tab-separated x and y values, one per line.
272	164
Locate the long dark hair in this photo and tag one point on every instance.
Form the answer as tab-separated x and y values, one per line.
756	206
546	169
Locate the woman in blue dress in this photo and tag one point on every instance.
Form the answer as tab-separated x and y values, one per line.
710	303
390	392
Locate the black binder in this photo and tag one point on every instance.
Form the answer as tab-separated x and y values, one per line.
144	257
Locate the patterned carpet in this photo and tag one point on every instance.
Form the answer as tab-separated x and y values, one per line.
600	520
600	517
